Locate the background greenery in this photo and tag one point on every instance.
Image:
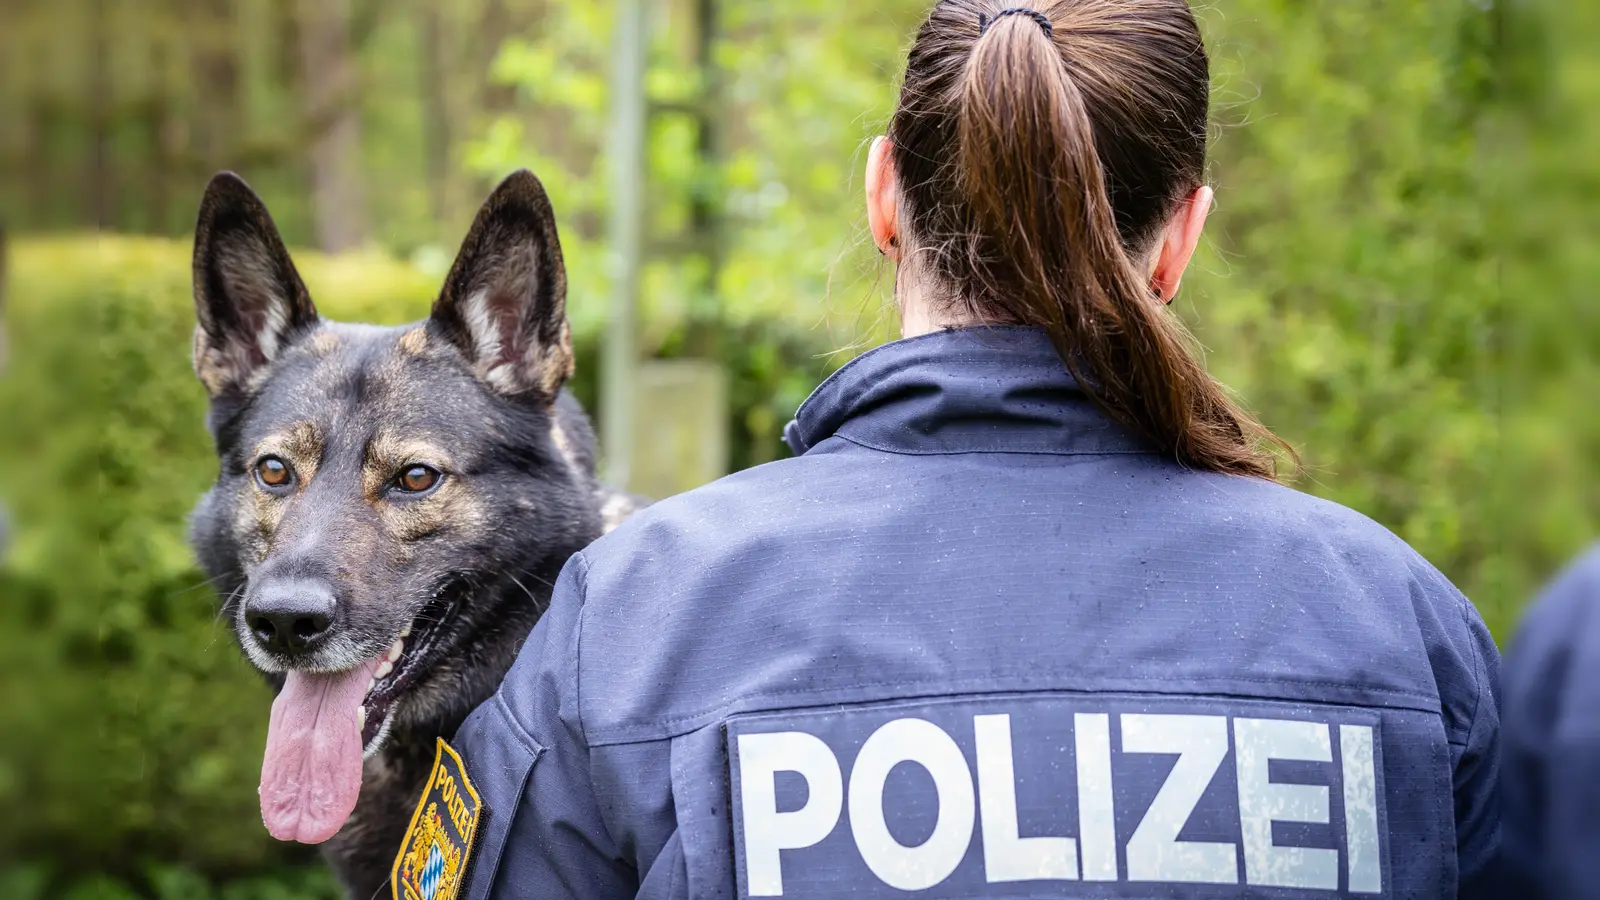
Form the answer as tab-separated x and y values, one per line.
1396	278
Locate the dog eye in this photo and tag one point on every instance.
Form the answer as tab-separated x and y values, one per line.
418	479
274	472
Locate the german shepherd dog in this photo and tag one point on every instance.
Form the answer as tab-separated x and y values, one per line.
392	508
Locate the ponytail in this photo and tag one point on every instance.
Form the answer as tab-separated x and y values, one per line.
1032	236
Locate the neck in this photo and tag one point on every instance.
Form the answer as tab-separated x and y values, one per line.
920	312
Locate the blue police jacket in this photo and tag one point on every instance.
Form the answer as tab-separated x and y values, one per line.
1552	743
976	640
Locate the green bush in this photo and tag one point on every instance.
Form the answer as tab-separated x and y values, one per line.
165	882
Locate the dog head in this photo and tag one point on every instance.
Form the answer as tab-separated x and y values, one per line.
385	495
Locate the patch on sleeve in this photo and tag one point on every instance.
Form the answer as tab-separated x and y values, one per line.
433	858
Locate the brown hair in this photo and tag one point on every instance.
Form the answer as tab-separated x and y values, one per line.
1034	161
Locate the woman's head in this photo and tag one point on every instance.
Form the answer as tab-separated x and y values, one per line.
1045	167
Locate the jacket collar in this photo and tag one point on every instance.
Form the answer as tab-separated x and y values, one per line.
968	390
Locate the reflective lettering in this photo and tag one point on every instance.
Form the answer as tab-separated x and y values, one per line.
1262	802
926	744
1154	851
768	832
1360	809
1022	773
1097	821
1007	857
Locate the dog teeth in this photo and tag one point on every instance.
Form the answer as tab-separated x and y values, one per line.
372	684
361	718
407	632
384	668
395	650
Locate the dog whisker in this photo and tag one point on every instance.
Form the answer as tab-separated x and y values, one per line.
227	603
209	582
538	604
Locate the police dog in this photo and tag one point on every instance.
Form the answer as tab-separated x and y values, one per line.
392	508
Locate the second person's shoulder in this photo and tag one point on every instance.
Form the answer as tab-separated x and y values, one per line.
1561	618
1572	595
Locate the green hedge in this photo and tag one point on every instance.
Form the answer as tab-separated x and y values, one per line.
133	729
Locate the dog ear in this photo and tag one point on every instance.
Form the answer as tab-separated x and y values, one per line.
249	301
504	303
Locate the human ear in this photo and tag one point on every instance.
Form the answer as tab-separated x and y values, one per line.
1178	242
883	202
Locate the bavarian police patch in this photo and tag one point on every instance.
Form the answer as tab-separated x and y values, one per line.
433	858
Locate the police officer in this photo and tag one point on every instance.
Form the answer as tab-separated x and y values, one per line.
1028	616
1552	777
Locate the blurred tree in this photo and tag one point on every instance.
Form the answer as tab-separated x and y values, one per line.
437	128
333	123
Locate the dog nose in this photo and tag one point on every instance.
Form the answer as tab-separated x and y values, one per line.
290	616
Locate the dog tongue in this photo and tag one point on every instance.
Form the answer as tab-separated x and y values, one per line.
311	775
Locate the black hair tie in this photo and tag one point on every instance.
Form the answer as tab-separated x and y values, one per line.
985	21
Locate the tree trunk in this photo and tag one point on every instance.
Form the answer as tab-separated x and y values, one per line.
213	58
436	130
102	179
162	148
333	120
494	27
705	210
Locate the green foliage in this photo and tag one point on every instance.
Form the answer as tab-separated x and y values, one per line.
802	87
171	883
117	112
